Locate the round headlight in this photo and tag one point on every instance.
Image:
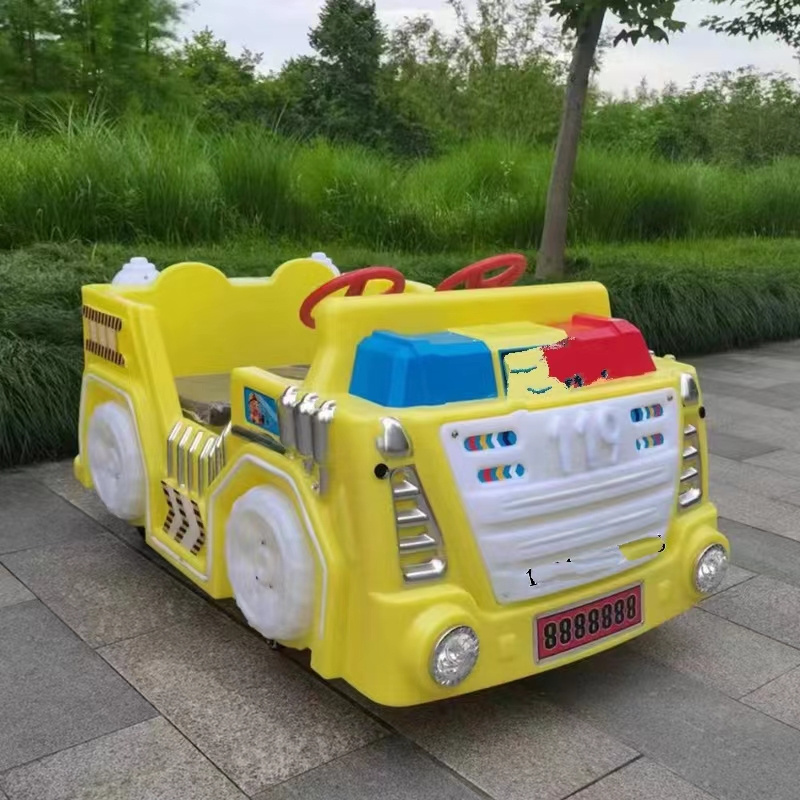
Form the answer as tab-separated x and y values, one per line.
454	656
711	568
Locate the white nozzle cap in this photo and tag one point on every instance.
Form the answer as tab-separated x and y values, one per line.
136	272
323	259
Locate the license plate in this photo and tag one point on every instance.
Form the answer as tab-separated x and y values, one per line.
566	630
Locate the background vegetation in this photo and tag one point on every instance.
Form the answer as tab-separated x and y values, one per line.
98	182
406	146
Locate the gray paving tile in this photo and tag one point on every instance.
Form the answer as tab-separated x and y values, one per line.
750	478
255	714
716	362
59	478
741	377
786	350
148	760
793	499
771	427
780	396
775	516
789	349
771	365
642	780
103	590
735	447
710	740
787	462
32	516
55	691
721	654
779	698
763	552
762	604
510	744
391	769
11	590
789	390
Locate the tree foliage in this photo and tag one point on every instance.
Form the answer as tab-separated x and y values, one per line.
83	50
778	18
411	90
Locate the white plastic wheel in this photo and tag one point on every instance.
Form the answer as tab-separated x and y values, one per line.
115	461
270	564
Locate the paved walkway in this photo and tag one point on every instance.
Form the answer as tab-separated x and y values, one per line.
118	681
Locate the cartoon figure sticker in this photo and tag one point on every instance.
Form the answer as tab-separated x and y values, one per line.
261	411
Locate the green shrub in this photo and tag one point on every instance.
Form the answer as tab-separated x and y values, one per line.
687	300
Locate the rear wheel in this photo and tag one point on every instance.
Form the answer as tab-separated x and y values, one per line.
270	564
115	461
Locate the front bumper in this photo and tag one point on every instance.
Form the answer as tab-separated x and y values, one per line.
397	632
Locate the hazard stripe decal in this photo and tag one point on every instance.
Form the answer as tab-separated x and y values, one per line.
100	317
102	339
105	352
184	522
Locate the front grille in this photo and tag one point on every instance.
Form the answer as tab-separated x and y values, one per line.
577	483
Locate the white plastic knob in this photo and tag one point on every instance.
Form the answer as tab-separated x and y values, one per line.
136	272
323	259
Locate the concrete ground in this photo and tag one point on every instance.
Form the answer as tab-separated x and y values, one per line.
118	681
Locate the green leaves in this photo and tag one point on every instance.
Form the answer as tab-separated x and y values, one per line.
645	19
762	18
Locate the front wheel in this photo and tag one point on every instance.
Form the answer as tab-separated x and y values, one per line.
115	461
270	564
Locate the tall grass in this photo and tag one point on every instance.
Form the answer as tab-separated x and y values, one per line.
173	184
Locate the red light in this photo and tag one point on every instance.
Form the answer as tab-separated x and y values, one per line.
597	348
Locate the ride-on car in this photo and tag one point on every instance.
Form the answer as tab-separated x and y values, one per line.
434	490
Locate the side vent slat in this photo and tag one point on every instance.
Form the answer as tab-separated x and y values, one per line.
417	544
690	491
411	517
426	571
195	457
417	530
404	490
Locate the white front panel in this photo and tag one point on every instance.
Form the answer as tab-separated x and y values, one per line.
585	489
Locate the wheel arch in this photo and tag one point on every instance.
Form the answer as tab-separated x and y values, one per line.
97	390
250	471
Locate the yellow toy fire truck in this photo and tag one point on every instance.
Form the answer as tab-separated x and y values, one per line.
434	490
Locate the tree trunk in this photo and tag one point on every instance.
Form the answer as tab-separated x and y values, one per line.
550	259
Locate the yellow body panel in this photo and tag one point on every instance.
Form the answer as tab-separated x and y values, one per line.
370	626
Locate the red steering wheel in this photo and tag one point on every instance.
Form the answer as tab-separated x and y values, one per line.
474	276
355	281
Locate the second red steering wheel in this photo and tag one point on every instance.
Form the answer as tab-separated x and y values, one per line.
475	275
